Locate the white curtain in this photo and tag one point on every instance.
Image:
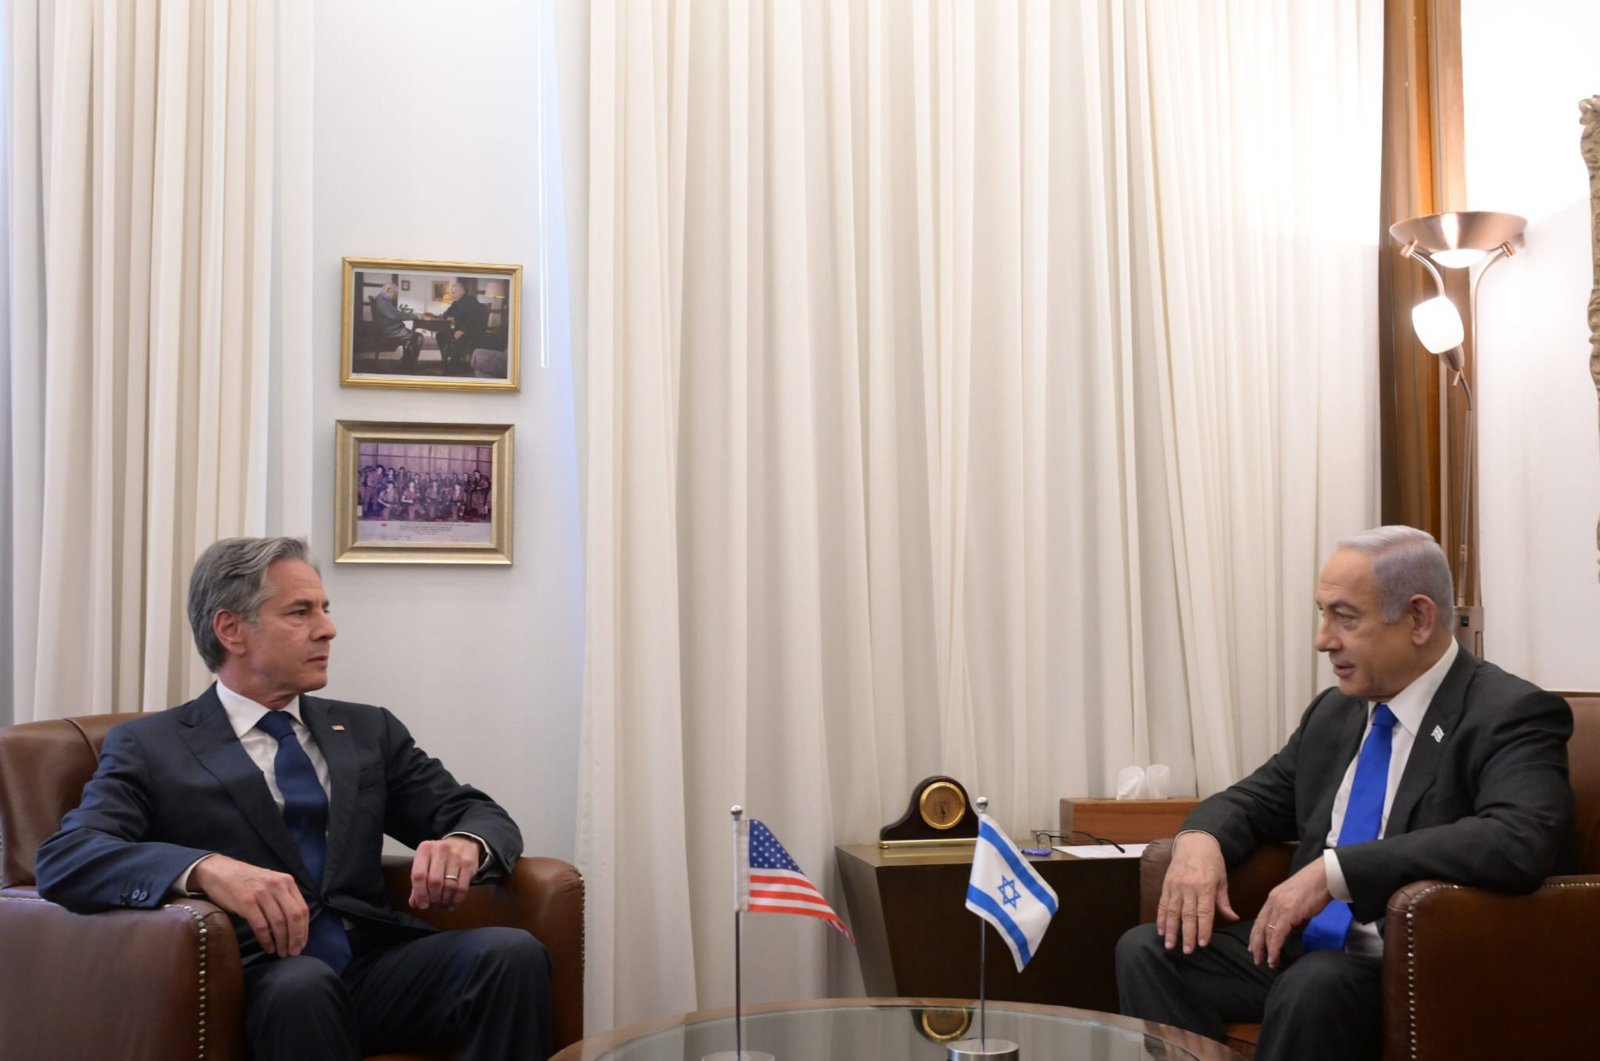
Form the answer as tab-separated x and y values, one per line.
159	336
972	388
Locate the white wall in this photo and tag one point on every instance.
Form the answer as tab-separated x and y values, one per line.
426	148
1526	67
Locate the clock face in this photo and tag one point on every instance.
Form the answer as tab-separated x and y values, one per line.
942	805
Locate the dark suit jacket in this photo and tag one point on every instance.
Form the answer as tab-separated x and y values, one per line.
468	316
177	785
1488	804
388	318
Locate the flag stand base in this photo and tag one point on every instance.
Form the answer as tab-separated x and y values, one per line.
983	1050
744	1055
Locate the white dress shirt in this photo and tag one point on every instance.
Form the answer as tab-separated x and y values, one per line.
262	747
1408	705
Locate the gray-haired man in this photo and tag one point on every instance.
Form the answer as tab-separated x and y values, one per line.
389	319
1424	762
273	804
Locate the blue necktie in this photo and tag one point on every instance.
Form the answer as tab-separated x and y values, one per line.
305	812
1363	817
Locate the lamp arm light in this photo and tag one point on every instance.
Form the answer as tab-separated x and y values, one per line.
1472	240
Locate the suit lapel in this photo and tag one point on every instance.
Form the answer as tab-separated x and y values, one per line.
1443	713
204	726
1349	728
343	770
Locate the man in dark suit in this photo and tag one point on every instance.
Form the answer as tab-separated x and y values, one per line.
389	319
1424	763
273	805
466	321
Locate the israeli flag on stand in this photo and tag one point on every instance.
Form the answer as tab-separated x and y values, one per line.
1008	893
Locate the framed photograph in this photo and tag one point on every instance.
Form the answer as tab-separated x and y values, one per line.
465	336
422	493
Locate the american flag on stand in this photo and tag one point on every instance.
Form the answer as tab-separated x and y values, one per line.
770	882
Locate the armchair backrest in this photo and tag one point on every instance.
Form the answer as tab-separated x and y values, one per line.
43	768
1583	761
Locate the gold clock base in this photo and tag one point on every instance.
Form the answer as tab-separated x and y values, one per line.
952	841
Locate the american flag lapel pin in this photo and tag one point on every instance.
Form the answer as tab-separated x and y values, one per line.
339	728
1437	734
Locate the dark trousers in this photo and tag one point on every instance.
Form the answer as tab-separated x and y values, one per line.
484	992
1317	1005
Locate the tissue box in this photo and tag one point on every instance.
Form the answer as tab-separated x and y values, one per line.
1126	821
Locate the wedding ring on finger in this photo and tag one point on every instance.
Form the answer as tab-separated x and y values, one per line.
451	876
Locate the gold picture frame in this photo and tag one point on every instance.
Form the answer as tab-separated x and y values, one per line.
408	493
401	343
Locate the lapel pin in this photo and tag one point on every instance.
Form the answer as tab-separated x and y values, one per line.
337	728
1437	734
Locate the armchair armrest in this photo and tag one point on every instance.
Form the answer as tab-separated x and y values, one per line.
1474	973
140	985
1248	882
543	896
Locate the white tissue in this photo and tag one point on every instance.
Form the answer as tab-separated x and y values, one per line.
1143	782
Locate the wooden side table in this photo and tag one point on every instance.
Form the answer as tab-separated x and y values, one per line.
915	936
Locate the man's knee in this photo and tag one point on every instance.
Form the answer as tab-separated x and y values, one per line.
298	1007
1325	994
509	951
1138	947
295	984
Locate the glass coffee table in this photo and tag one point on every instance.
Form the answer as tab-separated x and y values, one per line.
898	1029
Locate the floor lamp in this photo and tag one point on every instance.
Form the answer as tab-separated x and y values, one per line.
1473	240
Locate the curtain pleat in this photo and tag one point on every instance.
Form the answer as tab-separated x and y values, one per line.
973	388
156	128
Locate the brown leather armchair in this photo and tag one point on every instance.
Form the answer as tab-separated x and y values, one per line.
1468	972
160	985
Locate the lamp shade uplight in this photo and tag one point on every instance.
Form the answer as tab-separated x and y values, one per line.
1460	240
1438	324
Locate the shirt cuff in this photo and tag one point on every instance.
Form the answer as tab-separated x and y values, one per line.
1336	884
483	851
180	886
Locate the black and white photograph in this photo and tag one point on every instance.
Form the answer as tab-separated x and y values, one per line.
423	493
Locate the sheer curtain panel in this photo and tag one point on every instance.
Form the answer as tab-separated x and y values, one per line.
971	388
159	244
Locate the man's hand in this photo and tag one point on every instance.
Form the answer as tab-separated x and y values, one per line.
460	334
1195	889
270	901
442	871
1288	906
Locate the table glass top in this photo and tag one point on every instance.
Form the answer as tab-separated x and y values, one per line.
895	1032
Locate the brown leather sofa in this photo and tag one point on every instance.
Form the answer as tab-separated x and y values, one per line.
164	985
1469	973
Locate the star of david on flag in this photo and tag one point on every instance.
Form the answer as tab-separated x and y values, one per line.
770	881
1006	891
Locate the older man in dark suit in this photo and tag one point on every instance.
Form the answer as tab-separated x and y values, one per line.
389	319
273	805
466	320
1424	763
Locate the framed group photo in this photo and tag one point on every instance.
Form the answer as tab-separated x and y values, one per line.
422	493
449	325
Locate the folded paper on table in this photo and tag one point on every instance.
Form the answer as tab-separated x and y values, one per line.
1103	850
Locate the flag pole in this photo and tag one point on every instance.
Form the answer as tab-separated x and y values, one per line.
738	950
982	803
981	1048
